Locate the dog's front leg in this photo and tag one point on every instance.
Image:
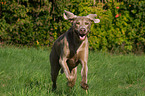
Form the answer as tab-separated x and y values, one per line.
84	72
64	65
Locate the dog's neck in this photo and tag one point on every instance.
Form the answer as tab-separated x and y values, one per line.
73	38
73	41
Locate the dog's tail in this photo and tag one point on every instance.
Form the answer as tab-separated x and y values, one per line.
61	71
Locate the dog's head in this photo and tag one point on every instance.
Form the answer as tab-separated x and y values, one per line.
81	24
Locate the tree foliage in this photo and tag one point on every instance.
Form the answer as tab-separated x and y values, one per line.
40	22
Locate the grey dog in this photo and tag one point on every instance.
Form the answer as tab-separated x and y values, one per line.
71	48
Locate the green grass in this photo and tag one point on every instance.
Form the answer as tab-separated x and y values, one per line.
26	72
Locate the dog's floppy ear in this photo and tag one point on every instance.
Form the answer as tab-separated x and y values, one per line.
92	18
68	15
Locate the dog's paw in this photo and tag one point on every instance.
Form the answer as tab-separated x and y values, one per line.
71	84
54	88
71	81
84	86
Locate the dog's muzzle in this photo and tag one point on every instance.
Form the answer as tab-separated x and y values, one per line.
82	33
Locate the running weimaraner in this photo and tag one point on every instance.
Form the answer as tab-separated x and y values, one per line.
71	48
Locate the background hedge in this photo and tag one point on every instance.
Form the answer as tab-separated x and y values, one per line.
40	22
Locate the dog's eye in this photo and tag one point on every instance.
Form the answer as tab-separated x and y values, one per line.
78	23
86	23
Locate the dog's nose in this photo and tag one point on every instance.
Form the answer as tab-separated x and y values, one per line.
82	30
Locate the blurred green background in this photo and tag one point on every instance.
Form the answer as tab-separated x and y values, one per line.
40	22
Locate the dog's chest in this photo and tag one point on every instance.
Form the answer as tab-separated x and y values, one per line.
75	49
73	61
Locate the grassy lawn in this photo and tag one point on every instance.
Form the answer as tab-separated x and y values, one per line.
26	72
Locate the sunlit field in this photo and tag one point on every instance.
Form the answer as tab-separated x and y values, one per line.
26	72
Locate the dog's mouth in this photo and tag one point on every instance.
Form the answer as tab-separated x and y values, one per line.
82	36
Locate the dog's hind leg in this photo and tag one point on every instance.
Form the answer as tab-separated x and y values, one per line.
55	67
62	71
54	74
